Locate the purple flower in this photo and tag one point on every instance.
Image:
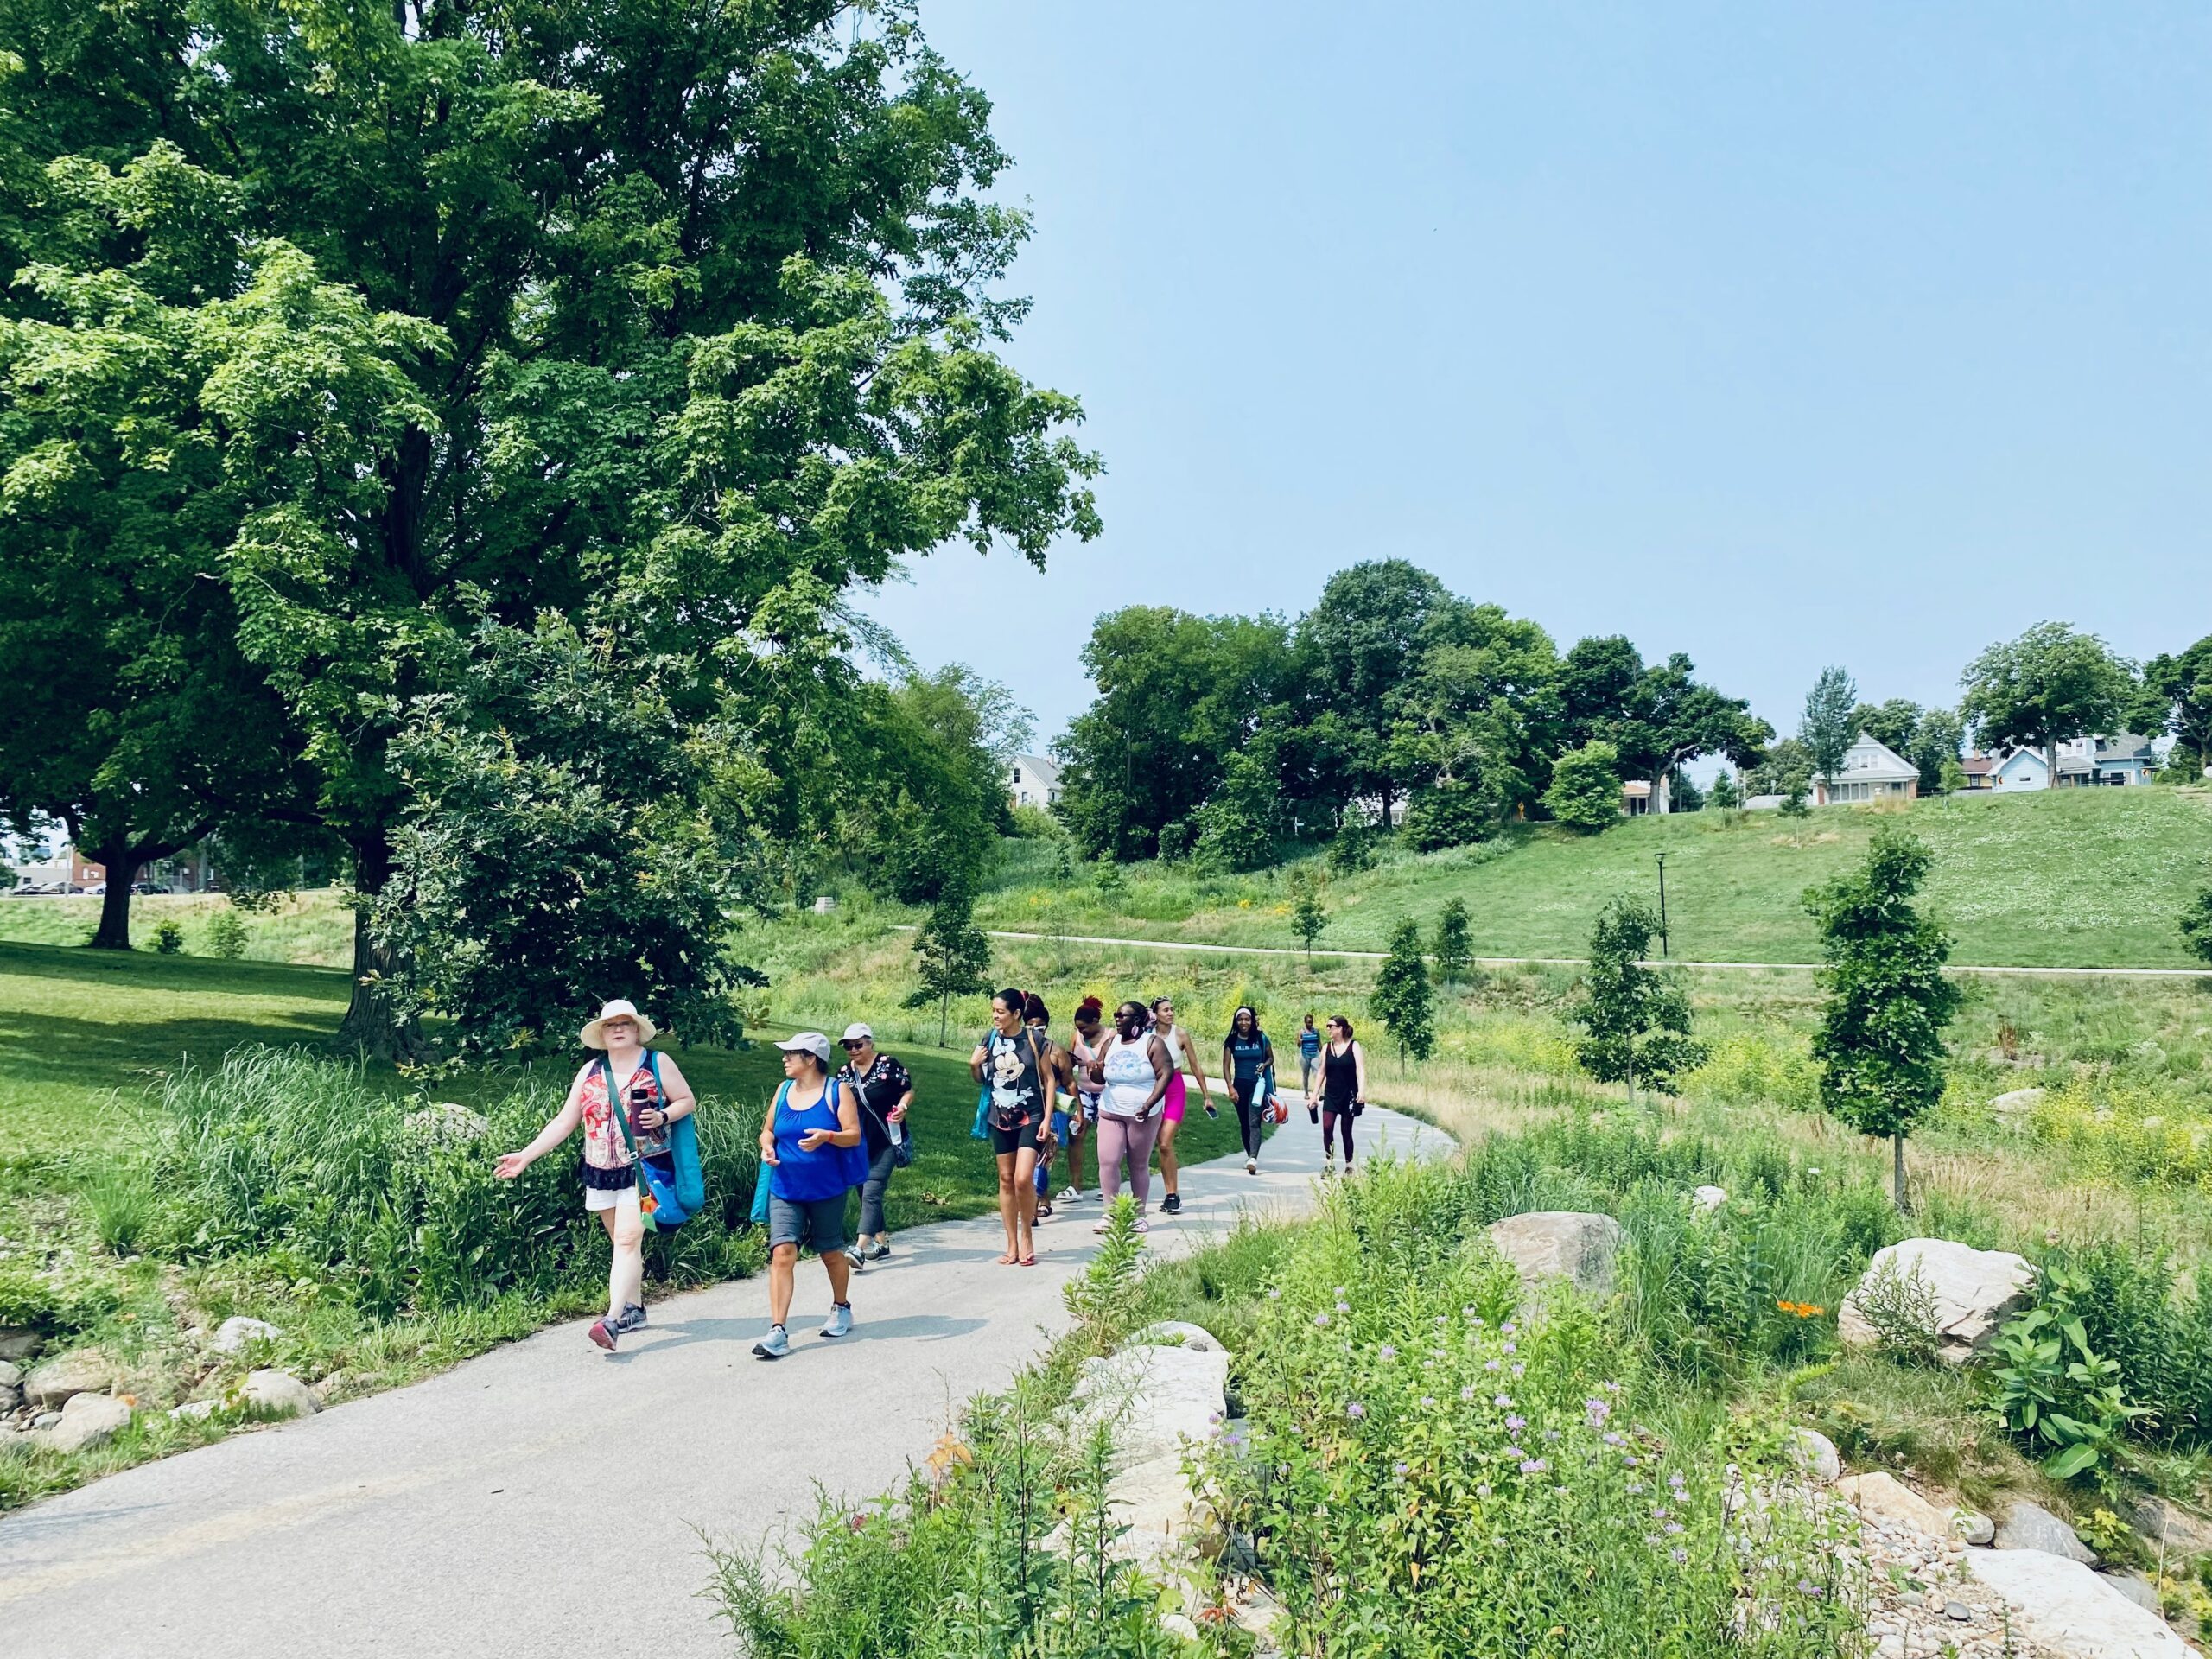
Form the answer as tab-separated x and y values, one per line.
1533	1466
1321	1319
1274	1295
1386	1351
1515	1451
1628	1459
1467	1393
1516	1422
1398	1470
1213	1417
1489	1365
1678	1556
1509	1327
1343	1307
1354	1411
1505	1400
1551	1434
1658	1512
1597	1410
1512	1348
1615	1439
1807	1587
1636	1489
1520	1371
1341	1291
1673	1528
1429	1399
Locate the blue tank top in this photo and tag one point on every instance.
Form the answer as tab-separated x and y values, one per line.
825	1172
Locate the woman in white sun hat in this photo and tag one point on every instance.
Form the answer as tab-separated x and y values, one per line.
629	1087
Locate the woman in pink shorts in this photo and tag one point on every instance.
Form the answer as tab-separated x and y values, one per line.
1183	1056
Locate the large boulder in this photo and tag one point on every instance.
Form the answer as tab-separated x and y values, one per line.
1156	1399
1581	1248
52	1384
1178	1334
2173	1530
19	1343
1975	1292
88	1419
2071	1611
2029	1526
278	1393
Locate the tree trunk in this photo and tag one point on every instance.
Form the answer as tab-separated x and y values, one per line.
1897	1171
943	1017
114	932
2051	753
371	1025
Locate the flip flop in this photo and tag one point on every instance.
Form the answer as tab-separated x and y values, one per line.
1028	1261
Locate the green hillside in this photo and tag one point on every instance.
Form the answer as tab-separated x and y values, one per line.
2067	879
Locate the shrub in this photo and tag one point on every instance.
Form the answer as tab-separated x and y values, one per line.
226	934
1899	1307
121	1202
1586	788
1353	850
1426	1477
168	936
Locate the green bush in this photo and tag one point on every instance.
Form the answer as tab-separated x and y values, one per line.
121	1202
395	1200
226	934
1425	1478
168	935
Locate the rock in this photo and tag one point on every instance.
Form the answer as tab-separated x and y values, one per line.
1973	1527
1178	1334
88	1419
2029	1526
1817	1454
1975	1292
2017	1103
1958	1612
2163	1524
19	1343
1580	1248
192	1411
445	1123
2070	1611
2137	1588
11	1375
46	1420
85	1371
1707	1199
233	1333
279	1393
1884	1498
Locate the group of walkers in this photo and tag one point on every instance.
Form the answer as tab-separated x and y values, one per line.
1124	1087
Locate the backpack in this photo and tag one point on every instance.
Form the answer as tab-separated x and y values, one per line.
856	1156
671	1185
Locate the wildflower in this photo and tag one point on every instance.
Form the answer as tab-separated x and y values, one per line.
1551	1434
1398	1470
1511	1348
1533	1465
1213	1417
1342	1292
1467	1393
1636	1489
1678	1556
1505	1402
1615	1439
1274	1295
1319	1320
1597	1410
1386	1351
1483	1491
1429	1399
1489	1365
1673	1528
1520	1371
1516	1423
1509	1327
1515	1452
1354	1411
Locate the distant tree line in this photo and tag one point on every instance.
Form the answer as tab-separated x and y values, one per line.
1392	702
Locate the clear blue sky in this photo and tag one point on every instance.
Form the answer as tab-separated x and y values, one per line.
1779	335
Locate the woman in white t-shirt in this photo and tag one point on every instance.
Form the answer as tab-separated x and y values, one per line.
1133	1070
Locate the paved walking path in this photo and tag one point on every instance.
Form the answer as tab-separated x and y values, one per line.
541	1499
1561	962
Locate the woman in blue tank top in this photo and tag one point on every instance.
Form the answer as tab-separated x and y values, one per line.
812	1157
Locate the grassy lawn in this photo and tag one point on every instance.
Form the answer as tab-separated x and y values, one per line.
2067	879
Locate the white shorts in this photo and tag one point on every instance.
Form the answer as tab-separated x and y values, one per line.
597	1199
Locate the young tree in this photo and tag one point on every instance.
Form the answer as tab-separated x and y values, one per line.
1403	999
1827	731
2197	926
1793	796
1938	737
1455	951
1586	792
1309	916
2045	687
952	957
1725	794
1635	1019
1880	1043
1235	827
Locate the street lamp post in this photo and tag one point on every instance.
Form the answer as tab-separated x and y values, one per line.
1662	904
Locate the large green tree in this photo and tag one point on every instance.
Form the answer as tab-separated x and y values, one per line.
1361	644
692	310
1826	730
2050	684
1655	717
1891	723
1880	1043
1177	695
2180	694
1478	723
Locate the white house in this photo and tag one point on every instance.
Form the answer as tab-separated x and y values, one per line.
2021	769
1872	770
1031	780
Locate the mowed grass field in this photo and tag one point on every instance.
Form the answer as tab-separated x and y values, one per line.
84	1033
2061	878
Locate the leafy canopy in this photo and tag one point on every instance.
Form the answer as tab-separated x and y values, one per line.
1635	1019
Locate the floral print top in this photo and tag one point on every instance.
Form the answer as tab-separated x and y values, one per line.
603	1144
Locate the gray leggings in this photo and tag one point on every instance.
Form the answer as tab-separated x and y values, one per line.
879	1177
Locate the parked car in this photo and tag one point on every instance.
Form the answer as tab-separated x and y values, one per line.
98	888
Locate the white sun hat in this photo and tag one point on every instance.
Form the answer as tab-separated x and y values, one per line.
620	1008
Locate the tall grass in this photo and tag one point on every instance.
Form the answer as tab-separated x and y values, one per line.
394	1201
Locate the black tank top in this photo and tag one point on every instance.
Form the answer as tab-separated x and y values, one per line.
1339	1077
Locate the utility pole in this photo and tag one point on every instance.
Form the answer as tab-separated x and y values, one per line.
1662	904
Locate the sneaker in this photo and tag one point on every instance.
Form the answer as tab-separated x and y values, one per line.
774	1345
1171	1205
1251	1166
856	1256
880	1250
632	1318
602	1333
839	1322
1069	1194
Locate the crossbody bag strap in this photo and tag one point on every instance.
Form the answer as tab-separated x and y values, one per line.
614	1105
861	1095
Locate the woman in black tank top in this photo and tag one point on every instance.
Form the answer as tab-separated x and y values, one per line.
1343	1088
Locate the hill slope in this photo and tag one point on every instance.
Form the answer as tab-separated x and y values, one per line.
2070	879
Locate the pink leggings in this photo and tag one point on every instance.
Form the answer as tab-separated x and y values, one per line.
1119	1137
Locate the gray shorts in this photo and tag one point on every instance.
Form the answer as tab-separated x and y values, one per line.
820	1223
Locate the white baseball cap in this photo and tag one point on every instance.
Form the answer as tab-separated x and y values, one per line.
809	1042
857	1032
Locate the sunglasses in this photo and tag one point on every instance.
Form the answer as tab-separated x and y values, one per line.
852	1043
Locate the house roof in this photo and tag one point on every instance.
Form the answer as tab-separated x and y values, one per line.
1979	765
2023	755
1871	760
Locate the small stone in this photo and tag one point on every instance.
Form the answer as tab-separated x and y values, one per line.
1959	1610
1817	1456
1705	1200
11	1375
233	1333
1579	1246
46	1420
193	1411
1971	1527
2029	1526
87	1420
1890	1646
19	1343
2137	1588
279	1393
2017	1103
1884	1497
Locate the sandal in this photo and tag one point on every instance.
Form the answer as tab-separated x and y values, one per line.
1028	1261
1044	1213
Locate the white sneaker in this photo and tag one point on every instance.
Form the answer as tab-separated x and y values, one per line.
1251	1166
839	1322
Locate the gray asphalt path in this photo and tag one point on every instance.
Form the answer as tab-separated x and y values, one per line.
542	1500
1568	961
